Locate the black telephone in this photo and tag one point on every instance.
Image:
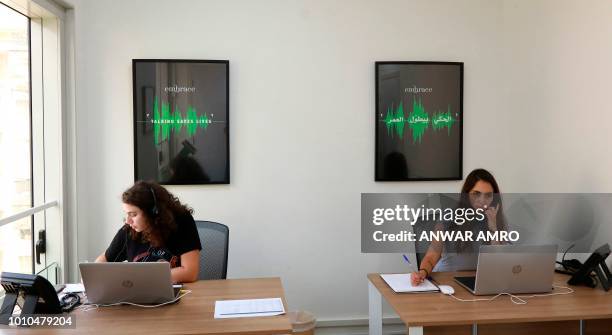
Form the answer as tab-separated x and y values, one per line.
38	295
596	262
496	200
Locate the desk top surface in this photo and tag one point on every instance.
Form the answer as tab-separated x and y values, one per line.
194	314
436	309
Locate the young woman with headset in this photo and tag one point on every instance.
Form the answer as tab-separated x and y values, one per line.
480	190
157	227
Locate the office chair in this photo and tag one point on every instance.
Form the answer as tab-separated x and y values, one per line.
213	257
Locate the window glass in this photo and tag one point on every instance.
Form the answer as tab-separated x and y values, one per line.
15	143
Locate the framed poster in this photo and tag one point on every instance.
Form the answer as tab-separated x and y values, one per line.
181	121
419	121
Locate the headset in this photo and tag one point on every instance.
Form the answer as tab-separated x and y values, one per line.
125	228
154	209
69	302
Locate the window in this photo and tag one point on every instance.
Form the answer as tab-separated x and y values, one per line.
31	141
15	141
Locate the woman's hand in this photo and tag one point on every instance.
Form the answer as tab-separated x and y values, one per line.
101	258
418	277
491	213
189	269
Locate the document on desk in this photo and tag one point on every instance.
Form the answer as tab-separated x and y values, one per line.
73	288
248	308
401	283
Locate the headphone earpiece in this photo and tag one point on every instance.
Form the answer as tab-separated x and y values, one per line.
154	209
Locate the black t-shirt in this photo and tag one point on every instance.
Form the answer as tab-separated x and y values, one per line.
184	239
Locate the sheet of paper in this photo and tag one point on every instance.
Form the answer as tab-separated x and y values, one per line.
248	308
73	288
401	283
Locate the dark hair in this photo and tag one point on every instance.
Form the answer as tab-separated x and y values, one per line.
159	206
464	202
476	176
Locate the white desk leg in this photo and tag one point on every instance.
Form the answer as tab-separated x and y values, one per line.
415	330
375	310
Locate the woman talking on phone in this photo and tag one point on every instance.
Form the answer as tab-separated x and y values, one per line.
157	227
480	191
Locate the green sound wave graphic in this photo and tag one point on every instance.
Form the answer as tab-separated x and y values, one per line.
395	120
441	120
418	121
165	121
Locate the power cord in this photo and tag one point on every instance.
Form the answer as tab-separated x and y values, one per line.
518	299
570	266
565	253
90	307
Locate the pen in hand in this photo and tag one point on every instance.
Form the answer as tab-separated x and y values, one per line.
415	277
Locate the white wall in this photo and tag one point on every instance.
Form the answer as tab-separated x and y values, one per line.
558	79
302	99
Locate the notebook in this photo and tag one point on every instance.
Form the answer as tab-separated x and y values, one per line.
401	283
248	308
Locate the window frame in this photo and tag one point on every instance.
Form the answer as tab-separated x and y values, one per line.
52	140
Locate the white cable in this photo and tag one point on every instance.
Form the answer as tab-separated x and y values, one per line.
519	299
96	306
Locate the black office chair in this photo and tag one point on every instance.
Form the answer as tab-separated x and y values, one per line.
213	257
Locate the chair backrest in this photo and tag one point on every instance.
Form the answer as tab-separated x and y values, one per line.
213	257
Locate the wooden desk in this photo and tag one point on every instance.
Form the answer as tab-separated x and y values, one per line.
194	314
435	309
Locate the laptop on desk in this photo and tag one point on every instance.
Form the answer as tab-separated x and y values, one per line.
133	282
512	269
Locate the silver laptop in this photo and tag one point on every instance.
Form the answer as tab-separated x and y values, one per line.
140	283
512	269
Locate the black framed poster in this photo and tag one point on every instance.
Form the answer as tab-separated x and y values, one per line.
419	121
181	121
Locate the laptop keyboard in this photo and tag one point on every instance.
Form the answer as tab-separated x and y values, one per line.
467	281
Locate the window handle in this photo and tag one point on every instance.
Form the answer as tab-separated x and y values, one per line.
41	245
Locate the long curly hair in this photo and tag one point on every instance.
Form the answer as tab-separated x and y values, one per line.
159	206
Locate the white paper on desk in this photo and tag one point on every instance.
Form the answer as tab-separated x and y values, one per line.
248	308
401	283
73	288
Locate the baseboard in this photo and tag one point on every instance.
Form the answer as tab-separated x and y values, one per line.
391	326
